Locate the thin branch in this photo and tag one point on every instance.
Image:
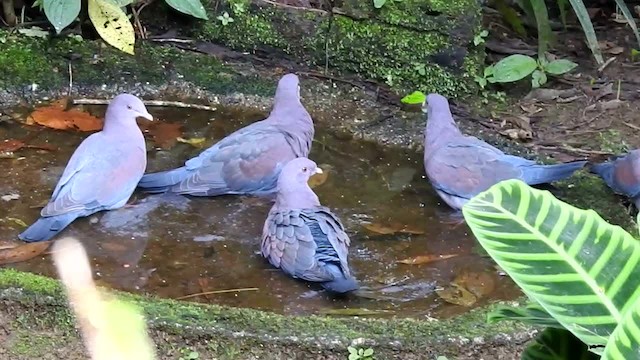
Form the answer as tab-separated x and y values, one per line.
147	103
216	292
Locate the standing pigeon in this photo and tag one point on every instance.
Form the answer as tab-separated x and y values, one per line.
622	174
249	160
301	237
460	167
101	174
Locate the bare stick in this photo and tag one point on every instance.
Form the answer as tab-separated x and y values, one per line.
147	103
70	79
216	292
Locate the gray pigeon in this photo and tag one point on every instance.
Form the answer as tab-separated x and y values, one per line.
101	174
460	167
249	160
301	237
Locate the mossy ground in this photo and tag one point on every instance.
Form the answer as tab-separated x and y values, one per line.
41	305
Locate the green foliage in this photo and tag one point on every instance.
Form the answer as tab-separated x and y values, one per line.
532	314
416	97
360	354
557	344
225	19
581	270
516	67
480	37
109	17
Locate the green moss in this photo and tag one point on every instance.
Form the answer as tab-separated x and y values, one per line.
191	319
25	342
587	191
23	63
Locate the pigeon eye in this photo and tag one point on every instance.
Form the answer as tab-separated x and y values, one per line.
129	107
304	169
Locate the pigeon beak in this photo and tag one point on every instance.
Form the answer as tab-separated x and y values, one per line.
319	171
146	115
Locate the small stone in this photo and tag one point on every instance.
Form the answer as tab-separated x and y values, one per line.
10	197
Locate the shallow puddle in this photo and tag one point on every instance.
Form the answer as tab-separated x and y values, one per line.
175	246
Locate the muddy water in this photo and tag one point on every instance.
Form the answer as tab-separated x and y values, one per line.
174	246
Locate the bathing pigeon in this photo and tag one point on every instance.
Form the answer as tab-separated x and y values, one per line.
301	237
622	174
460	167
101	174
249	160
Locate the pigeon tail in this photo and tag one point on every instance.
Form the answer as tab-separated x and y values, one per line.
542	174
340	284
47	227
162	181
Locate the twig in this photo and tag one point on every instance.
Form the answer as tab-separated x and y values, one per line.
70	80
294	7
216	292
634	127
606	63
329	77
185	41
147	103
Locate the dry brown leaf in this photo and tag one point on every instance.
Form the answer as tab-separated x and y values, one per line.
392	229
165	135
11	145
319	179
22	252
425	259
605	105
456	294
478	283
517	134
56	116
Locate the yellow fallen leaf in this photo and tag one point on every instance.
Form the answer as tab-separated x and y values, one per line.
112	24
425	259
193	141
17	221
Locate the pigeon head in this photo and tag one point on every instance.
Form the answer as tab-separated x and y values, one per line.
125	107
288	87
293	187
434	103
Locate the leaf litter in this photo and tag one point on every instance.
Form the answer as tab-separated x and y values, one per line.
14	252
57	116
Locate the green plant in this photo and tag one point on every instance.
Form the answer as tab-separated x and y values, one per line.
225	19
188	354
480	38
109	17
537	9
416	97
580	272
517	67
360	354
380	3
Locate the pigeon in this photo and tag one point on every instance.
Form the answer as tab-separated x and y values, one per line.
102	173
248	161
622	174
303	238
460	167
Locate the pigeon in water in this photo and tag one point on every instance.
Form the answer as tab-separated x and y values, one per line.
460	167
249	160
622	174
301	237
102	173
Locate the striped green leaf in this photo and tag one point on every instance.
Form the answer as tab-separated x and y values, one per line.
532	314
583	271
589	32
557	344
624	343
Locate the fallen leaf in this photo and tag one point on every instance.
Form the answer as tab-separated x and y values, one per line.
56	116
425	259
11	145
17	221
605	105
165	135
545	94
10	197
456	294
478	283
22	252
197	142
517	134
392	229
319	179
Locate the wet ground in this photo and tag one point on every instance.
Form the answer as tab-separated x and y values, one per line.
175	246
